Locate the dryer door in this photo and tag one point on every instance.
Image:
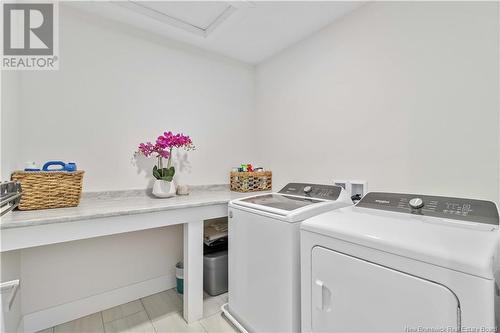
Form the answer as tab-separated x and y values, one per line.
353	295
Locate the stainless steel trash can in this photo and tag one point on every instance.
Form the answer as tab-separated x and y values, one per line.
215	273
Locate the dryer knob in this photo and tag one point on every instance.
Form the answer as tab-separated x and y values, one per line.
307	189
416	203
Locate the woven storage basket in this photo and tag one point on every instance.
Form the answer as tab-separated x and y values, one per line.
251	181
49	189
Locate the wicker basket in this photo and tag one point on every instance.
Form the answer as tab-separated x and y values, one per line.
49	189
251	181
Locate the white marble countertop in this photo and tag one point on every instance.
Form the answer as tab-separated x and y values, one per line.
106	204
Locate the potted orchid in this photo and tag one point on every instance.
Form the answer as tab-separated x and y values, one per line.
164	185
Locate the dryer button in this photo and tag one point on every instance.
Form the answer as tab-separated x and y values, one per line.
416	203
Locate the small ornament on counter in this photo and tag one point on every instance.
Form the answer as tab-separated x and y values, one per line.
182	190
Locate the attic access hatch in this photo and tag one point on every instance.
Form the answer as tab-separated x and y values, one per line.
198	17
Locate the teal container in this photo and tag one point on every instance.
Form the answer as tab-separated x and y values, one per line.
179	277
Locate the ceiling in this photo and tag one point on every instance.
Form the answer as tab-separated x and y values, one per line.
249	31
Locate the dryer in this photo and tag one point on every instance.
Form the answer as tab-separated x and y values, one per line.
402	263
264	254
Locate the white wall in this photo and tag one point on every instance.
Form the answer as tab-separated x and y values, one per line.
10	122
62	273
117	87
401	94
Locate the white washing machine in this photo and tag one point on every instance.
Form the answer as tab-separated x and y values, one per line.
264	254
402	263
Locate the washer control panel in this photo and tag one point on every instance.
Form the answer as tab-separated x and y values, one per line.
327	192
478	211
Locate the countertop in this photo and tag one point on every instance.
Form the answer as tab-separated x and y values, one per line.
95	205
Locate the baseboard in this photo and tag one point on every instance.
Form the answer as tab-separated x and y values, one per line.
50	317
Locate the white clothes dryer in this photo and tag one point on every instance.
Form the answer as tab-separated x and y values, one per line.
402	263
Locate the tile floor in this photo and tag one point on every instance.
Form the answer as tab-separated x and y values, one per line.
158	313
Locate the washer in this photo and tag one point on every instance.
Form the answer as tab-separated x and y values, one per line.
402	263
264	254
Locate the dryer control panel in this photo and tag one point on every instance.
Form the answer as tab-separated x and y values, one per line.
478	211
318	191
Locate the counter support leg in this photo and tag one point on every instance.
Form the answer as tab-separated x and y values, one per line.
193	271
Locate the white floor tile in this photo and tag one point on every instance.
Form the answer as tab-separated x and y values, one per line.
137	323
122	311
162	304
158	313
89	324
217	324
174	323
173	294
211	306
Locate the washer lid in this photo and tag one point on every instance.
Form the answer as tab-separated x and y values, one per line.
295	202
288	208
279	201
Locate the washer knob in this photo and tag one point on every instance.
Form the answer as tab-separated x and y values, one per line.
307	189
416	203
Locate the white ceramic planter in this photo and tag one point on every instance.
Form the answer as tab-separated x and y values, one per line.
164	189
